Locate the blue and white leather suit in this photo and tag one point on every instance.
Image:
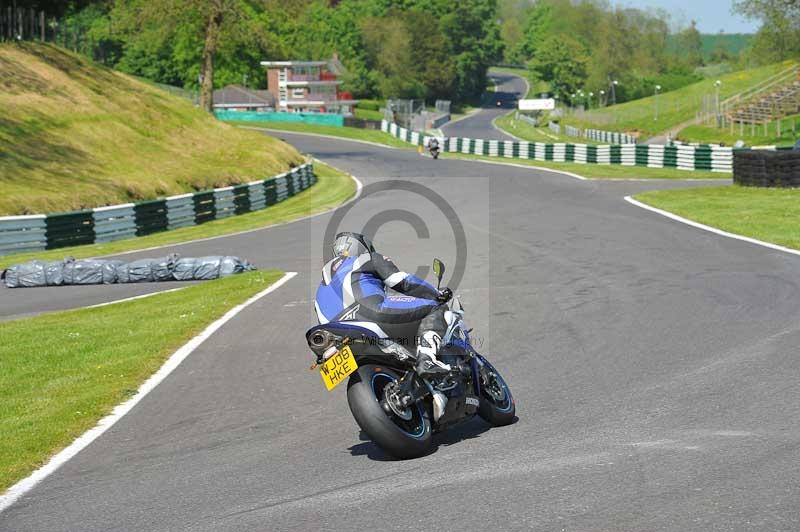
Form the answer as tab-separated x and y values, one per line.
355	288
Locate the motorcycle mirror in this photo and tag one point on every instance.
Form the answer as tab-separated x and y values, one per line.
438	269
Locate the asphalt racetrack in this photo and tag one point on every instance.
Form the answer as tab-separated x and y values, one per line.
480	125
654	366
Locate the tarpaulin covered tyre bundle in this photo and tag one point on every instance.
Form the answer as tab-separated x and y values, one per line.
98	271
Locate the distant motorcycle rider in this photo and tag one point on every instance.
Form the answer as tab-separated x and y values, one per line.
433	147
354	284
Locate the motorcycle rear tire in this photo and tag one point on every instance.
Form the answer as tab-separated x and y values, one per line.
364	390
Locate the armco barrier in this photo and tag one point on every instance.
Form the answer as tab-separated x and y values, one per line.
22	233
710	158
115	222
598	135
767	168
612	137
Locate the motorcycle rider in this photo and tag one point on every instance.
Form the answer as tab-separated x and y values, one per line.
433	146
354	284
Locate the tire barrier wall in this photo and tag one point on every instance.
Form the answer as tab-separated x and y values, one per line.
709	158
767	168
105	224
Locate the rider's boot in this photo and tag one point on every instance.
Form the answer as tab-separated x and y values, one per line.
428	366
439	404
427	363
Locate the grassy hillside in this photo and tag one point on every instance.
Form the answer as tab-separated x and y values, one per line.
674	107
74	134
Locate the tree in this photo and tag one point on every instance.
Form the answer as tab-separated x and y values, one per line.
58	8
537	27
391	55
321	30
633	46
419	48
512	18
768	9
779	35
184	37
215	13
690	45
473	43
408	55
720	54
561	61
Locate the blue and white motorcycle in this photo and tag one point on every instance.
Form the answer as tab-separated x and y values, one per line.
393	405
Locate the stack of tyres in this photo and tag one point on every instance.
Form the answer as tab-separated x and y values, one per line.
786	167
767	168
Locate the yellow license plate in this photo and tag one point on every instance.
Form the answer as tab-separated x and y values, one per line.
336	368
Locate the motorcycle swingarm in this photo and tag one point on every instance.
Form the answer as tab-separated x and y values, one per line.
408	389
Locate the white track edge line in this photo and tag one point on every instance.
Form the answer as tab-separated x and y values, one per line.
359	187
710	229
23	486
132	298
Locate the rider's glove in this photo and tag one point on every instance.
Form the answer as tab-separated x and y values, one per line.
445	294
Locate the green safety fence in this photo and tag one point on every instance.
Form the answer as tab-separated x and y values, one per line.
320	119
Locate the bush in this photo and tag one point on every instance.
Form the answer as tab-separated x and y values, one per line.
370	105
634	88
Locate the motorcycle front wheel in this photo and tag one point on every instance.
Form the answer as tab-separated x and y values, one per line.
497	405
408	435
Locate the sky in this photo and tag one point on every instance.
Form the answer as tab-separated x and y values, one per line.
711	15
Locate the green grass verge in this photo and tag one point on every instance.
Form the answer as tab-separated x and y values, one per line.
367	114
74	134
531	133
370	135
768	214
64	371
599	171
756	137
332	189
674	107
